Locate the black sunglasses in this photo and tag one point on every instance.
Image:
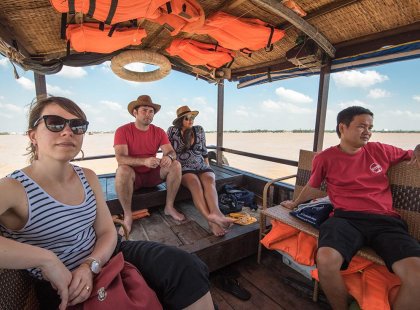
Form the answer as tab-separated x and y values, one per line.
190	117
57	123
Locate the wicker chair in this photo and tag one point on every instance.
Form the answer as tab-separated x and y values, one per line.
405	187
17	289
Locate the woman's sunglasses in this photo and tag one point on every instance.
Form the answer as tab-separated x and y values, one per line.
57	123
189	118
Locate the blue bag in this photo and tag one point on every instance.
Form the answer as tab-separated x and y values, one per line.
315	212
245	198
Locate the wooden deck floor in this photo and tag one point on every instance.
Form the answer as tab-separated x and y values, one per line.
272	285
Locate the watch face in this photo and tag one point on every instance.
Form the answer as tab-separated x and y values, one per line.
94	266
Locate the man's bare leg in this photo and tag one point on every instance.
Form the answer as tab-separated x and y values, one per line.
124	186
172	175
329	261
408	270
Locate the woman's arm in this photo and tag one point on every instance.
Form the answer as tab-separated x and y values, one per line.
16	255
106	235
106	240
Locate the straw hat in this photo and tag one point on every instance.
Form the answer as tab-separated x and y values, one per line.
143	100
182	111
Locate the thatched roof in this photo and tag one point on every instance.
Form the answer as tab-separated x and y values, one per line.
30	33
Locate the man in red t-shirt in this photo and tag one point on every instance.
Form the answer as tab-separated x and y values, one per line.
136	145
358	187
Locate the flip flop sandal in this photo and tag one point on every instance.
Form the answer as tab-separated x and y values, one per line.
233	287
242	218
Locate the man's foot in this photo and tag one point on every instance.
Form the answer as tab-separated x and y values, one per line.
174	213
217	230
222	221
128	222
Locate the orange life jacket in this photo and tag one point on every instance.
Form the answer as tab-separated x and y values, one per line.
299	245
89	38
372	285
180	15
237	33
198	53
110	11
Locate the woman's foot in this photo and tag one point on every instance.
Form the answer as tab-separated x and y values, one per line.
222	221
217	230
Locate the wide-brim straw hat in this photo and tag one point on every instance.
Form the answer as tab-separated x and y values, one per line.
143	100
182	111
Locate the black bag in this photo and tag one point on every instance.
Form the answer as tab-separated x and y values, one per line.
228	203
233	199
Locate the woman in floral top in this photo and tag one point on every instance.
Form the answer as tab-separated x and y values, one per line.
189	143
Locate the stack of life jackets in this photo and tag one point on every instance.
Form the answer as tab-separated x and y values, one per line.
197	53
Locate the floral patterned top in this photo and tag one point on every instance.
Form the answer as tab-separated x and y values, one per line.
192	159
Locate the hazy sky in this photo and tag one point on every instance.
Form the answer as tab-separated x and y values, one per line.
391	91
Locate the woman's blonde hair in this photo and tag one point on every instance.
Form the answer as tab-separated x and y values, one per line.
35	112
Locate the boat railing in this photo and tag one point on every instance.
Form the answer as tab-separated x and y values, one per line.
213	147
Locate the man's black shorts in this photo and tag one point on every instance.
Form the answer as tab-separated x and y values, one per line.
347	232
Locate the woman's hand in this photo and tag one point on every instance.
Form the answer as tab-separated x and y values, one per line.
60	277
81	285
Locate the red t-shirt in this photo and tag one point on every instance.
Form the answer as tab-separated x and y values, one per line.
140	143
358	182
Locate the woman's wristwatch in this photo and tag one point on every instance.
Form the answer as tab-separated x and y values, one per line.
94	265
171	157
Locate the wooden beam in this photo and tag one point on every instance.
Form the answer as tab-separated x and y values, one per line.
40	86
275	7
328	8
220	106
321	111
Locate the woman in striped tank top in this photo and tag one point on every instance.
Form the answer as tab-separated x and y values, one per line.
56	224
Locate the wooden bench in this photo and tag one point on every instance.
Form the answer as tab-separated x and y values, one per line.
405	187
153	197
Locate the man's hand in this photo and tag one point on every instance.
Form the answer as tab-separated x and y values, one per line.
416	156
166	161
152	162
289	204
60	277
81	285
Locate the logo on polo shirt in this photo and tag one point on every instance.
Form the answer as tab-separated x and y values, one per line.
375	168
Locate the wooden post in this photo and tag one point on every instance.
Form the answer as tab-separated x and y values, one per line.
321	111
40	86
220	105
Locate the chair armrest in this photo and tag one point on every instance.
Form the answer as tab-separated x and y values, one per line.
267	186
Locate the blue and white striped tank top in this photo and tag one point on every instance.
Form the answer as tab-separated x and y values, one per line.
66	230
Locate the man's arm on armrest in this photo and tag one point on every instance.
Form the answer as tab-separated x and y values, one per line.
121	154
306	194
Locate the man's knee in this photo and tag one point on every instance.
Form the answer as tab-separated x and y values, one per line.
174	170
408	270
125	172
328	260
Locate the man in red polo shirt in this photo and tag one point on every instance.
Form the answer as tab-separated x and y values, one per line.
358	187
136	145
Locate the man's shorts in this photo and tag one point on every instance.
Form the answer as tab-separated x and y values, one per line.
348	231
148	179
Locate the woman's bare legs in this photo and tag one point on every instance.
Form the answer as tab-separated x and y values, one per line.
193	183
